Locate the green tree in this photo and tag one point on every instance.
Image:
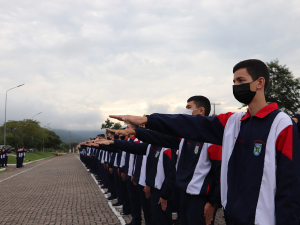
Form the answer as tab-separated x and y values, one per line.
110	124
283	88
29	134
107	124
116	126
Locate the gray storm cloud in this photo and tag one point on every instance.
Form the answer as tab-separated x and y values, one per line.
81	61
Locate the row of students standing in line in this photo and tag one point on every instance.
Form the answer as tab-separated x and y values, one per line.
259	175
188	169
260	170
20	154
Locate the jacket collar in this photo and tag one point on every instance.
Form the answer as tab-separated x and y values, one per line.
263	112
133	137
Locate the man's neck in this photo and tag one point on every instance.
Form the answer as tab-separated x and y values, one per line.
256	105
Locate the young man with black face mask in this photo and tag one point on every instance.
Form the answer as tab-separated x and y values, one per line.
260	158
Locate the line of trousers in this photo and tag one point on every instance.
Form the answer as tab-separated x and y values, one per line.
145	203
112	187
159	217
192	209
117	181
126	200
134	202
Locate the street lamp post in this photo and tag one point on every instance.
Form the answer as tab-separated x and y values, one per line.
43	136
36	115
32	120
5	112
214	104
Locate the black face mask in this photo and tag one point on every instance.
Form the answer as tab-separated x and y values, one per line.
108	138
243	93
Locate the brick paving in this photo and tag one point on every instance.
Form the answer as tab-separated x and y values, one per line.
58	190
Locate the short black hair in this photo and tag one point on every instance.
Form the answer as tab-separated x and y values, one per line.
201	101
134	126
112	133
102	135
116	137
256	69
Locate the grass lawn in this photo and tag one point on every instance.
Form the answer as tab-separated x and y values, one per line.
29	156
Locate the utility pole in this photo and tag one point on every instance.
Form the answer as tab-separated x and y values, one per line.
4	136
70	140
214	104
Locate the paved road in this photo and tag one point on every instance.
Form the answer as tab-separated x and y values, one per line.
55	191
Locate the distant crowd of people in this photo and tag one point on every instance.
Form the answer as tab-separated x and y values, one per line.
20	154
191	163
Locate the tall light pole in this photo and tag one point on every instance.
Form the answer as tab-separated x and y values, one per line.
70	140
44	137
36	115
214	104
32	119
5	111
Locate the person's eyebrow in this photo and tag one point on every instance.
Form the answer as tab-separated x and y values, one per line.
238	78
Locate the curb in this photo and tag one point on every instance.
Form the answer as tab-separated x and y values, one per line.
31	161
3	169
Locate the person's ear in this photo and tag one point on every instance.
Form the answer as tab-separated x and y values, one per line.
261	83
202	111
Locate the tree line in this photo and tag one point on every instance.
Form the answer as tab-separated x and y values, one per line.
29	134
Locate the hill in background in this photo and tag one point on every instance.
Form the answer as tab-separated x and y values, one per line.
76	136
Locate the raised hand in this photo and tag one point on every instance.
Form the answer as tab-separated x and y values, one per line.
137	120
123	132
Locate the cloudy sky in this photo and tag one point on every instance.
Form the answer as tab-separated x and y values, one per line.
83	60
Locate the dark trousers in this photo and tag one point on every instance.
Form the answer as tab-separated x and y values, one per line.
5	160
101	172
126	200
105	177
135	203
112	185
146	204
118	185
159	217
176	200
192	209
19	162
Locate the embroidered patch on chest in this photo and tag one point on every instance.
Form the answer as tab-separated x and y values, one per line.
257	149
156	154
196	150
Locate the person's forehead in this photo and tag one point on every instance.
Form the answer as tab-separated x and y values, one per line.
241	73
191	103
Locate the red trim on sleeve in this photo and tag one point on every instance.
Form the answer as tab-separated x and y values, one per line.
138	141
223	118
284	142
168	152
133	137
215	152
207	190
